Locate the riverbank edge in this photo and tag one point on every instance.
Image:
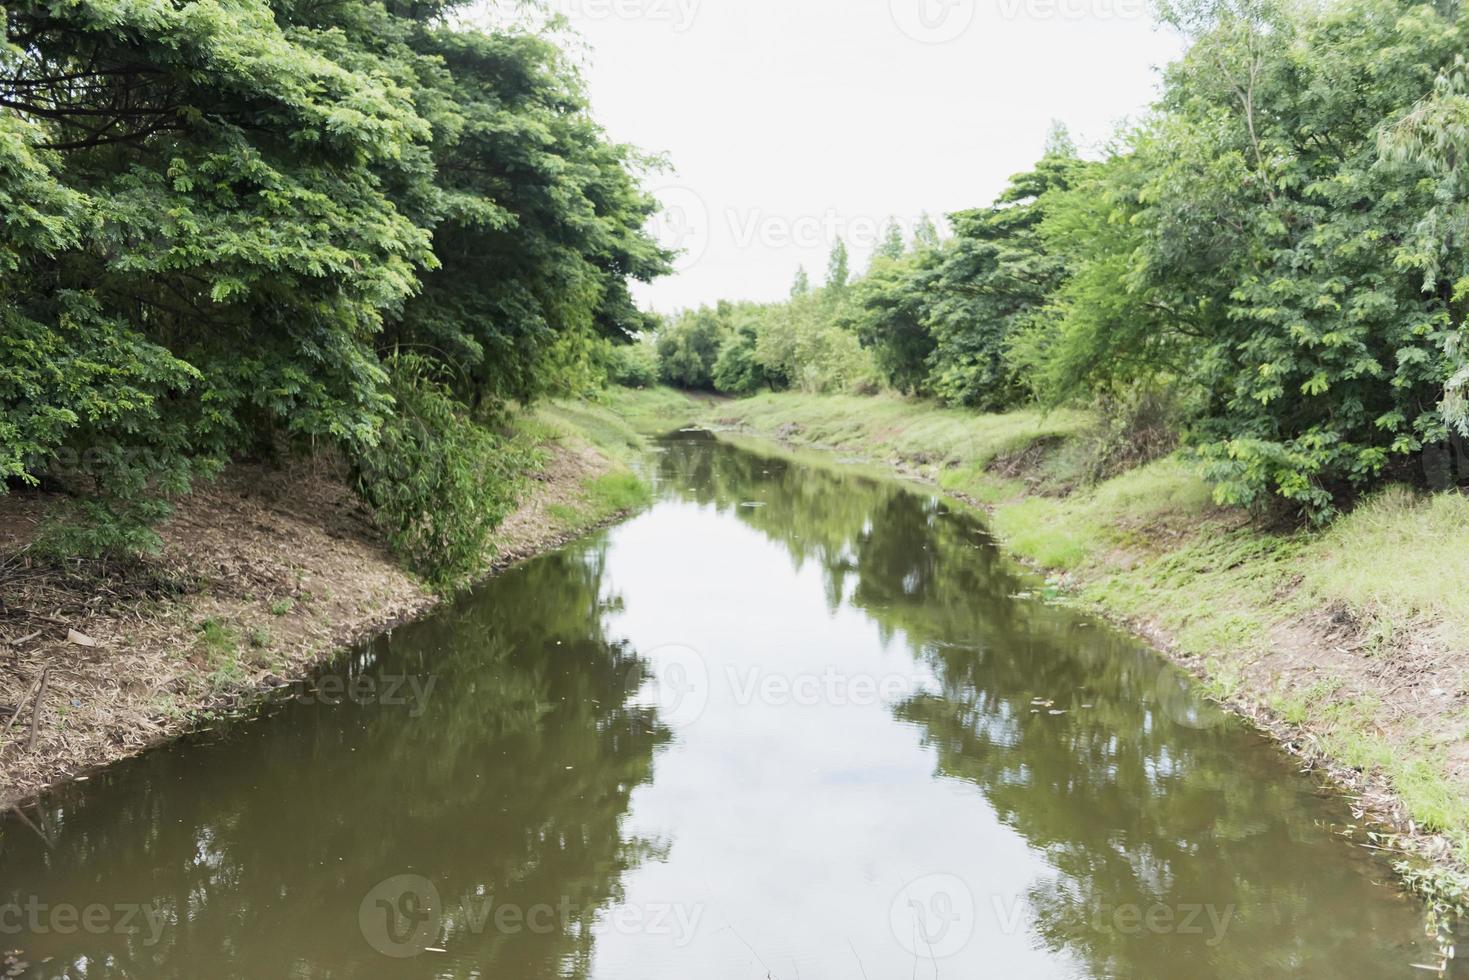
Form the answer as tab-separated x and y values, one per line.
174	664
1431	862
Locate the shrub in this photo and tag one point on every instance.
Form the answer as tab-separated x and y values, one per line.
438	480
633	365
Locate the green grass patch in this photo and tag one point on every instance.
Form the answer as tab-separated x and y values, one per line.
218	639
1401	557
887	425
618	492
606	429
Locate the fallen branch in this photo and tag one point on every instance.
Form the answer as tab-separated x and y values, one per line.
36	709
20	705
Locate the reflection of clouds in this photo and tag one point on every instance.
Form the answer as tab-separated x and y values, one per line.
1092	781
793	826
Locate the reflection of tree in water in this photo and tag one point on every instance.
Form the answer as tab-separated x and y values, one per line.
515	780
1132	808
512	782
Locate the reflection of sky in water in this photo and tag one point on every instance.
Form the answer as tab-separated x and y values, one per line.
793	825
872	760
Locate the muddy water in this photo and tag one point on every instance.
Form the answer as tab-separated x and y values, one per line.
793	721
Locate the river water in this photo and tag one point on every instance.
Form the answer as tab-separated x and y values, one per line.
794	721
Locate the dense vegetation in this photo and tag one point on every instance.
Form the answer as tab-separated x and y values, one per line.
1273	262
244	227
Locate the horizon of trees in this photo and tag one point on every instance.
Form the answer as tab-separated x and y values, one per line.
1275	254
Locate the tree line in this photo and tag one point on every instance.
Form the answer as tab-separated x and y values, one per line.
1272	260
245	227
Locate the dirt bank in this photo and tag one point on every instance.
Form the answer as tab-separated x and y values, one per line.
263	576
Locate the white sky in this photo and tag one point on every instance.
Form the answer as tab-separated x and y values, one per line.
791	121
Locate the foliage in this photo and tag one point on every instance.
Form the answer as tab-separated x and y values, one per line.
439	481
995	279
838	268
801	285
1269	246
1277	251
742	348
738	371
216	216
890	316
688	347
633	365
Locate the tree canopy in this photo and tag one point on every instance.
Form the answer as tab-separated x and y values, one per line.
221	219
1277	249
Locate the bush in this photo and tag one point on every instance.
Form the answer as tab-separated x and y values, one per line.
688	346
633	365
738	371
438	480
107	529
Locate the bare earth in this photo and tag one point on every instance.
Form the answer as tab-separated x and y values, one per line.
285	567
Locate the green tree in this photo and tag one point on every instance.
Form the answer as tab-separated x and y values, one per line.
838	269
738	370
801	286
218	221
995	280
689	346
925	234
890	310
891	246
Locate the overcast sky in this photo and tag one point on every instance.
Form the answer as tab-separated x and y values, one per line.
789	122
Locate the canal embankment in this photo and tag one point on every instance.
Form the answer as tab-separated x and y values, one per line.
265	574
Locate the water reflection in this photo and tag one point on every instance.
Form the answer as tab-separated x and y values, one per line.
512	780
1179	844
1035	798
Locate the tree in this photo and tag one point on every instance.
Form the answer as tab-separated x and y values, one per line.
802	284
891	317
838	271
738	370
1058	141
994	281
1272	247
925	234
891	246
221	224
689	346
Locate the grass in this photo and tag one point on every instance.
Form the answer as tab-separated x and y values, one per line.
617	429
622	421
604	497
891	426
1422	580
1150	544
221	644
219	640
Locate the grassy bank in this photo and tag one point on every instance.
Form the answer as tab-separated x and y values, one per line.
1351	643
263	577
